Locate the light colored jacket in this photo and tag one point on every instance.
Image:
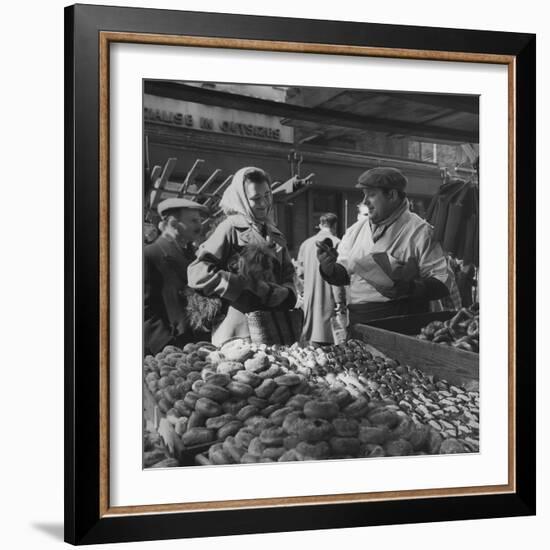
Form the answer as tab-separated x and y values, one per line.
212	272
320	298
409	236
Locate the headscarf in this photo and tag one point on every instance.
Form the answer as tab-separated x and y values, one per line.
235	201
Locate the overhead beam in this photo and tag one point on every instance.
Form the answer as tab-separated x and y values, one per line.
462	103
319	115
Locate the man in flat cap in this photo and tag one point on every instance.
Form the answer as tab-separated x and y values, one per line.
388	258
165	274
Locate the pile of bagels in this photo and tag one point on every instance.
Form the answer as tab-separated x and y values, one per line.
246	403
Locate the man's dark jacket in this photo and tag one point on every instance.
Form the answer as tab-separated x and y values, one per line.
165	281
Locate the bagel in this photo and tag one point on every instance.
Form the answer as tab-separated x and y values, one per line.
290	422
271	372
266	388
321	409
217	379
192	376
257	364
344	446
257	402
215	358
373	435
238	352
398	447
165	371
270	409
451	446
233	405
313	430
298	401
272	437
384	418
151	376
207	407
231	428
247	377
314	450
358	408
246	412
238	389
230	446
170	394
207	372
216	422
274	453
215	393
220	456
172	416
280	395
345	427
213	449
181	425
182	408
277	417
434	441
229	367
340	396
290	441
247	458
376	451
256	423
196	420
195	364
256	447
404	429
292	455
300	388
243	437
288	380
197	436
419	437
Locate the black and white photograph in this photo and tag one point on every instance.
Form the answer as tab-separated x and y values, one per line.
310	273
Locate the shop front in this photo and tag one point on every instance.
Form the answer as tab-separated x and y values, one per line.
227	139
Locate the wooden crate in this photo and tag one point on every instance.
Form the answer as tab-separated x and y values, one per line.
411	324
459	367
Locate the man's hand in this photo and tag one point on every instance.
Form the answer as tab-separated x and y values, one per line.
419	289
326	255
400	290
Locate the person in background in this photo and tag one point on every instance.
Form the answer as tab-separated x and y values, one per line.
320	299
165	274
405	238
245	262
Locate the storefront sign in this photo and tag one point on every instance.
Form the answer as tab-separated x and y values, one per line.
195	116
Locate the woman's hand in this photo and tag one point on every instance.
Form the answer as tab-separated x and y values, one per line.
277	296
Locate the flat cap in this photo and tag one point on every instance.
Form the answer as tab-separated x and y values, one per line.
383	177
176	203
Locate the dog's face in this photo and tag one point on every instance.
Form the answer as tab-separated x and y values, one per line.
257	263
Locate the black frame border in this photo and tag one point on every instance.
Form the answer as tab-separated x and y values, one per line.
83	524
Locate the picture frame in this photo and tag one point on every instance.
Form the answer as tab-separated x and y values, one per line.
89	517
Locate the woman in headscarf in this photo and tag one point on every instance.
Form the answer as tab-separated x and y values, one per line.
245	262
